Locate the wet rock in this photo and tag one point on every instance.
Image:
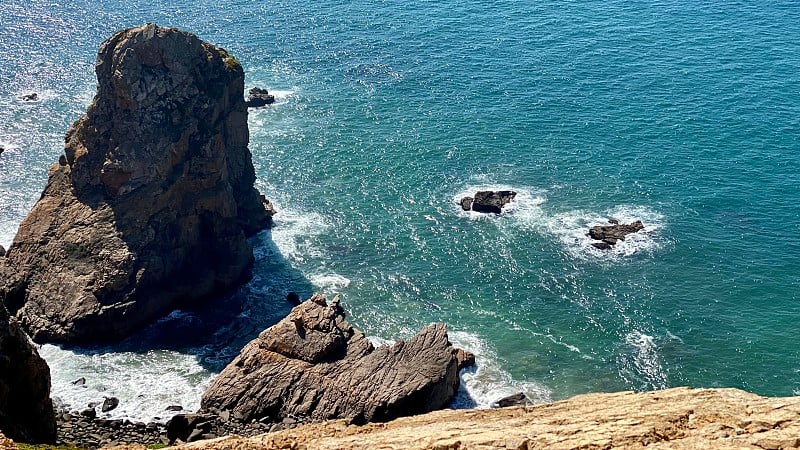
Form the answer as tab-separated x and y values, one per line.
609	235
2	149
314	365
518	399
488	201
259	97
183	426
109	404
79	382
174	408
154	203
2	251
91	413
32	97
465	359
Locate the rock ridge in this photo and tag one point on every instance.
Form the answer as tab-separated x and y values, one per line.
150	205
313	366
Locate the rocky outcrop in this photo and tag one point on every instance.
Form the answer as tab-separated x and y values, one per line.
26	412
679	418
488	201
150	205
609	235
259	97
314	366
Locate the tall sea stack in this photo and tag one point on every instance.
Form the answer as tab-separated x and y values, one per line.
150	205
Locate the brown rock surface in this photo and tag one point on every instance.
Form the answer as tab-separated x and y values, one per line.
26	412
608	235
151	204
679	418
314	366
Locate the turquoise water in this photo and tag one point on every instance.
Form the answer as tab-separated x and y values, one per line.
686	116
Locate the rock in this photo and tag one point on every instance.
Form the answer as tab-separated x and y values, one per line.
518	399
174	408
109	404
183	426
610	234
466	203
491	201
2	149
314	365
259	97
155	202
26	411
2	251
79	382
465	359
32	97
89	412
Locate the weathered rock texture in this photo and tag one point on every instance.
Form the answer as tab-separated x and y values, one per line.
314	366
151	203
26	412
678	418
608	235
488	201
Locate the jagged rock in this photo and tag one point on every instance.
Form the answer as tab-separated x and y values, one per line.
183	426
2	251
32	97
80	381
610	234
518	399
91	413
314	365
26	411
109	404
465	359
259	97
155	201
174	408
2	149
488	201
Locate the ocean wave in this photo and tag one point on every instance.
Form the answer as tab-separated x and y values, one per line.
487	382
640	364
329	283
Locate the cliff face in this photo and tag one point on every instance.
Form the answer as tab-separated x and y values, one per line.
26	412
678	418
152	201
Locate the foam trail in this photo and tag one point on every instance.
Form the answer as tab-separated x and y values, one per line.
488	382
645	360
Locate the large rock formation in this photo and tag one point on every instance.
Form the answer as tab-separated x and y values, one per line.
678	418
26	412
151	204
490	202
609	235
314	366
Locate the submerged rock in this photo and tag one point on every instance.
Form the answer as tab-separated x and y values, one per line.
26	411
32	97
314	365
153	202
609	235
488	201
518	399
259	97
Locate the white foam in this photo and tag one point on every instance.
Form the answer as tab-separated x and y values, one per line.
571	228
645	359
329	283
145	383
487	383
294	231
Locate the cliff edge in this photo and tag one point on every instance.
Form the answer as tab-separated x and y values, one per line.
151	203
679	418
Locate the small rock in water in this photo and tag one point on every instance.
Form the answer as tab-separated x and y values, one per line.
610	234
79	382
174	408
32	97
488	201
2	149
259	97
2	251
89	412
109	403
466	203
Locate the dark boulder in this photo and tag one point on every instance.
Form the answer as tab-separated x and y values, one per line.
2	251
26	411
609	235
518	399
184	426
314	365
466	203
259	97
79	382
490	201
32	97
109	404
153	202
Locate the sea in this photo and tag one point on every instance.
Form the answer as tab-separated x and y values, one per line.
682	114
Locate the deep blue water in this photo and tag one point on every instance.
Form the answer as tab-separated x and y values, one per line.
683	115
